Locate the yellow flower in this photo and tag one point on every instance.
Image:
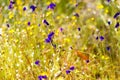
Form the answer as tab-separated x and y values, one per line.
19	2
92	18
100	6
73	18
67	40
48	13
11	31
106	11
11	14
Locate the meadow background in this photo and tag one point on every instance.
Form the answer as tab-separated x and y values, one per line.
59	40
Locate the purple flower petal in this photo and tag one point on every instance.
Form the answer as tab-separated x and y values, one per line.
39	77
101	38
51	6
108	48
87	61
10	6
28	23
117	14
24	8
44	77
109	22
97	38
78	29
47	40
67	71
108	0
72	68
45	22
33	7
76	14
50	35
12	2
117	25
37	62
61	29
8	25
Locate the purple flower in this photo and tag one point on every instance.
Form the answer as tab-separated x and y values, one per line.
51	6
39	77
38	24
87	61
11	4
109	22
72	68
33	7
76	14
44	77
61	29
67	71
47	40
37	62
101	38
108	48
45	22
117	14
97	38
50	35
8	25
108	0
117	25
24	8
28	23
76	4
78	29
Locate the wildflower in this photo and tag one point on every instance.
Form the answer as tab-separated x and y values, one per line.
78	29
50	35
108	0
28	23
8	25
117	14
37	62
72	68
12	2
24	8
76	4
40	77
117	25
87	61
101	38
44	77
33	7
51	6
97	38
45	22
108	48
67	71
76	14
61	29
47	40
109	22
38	24
11	5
